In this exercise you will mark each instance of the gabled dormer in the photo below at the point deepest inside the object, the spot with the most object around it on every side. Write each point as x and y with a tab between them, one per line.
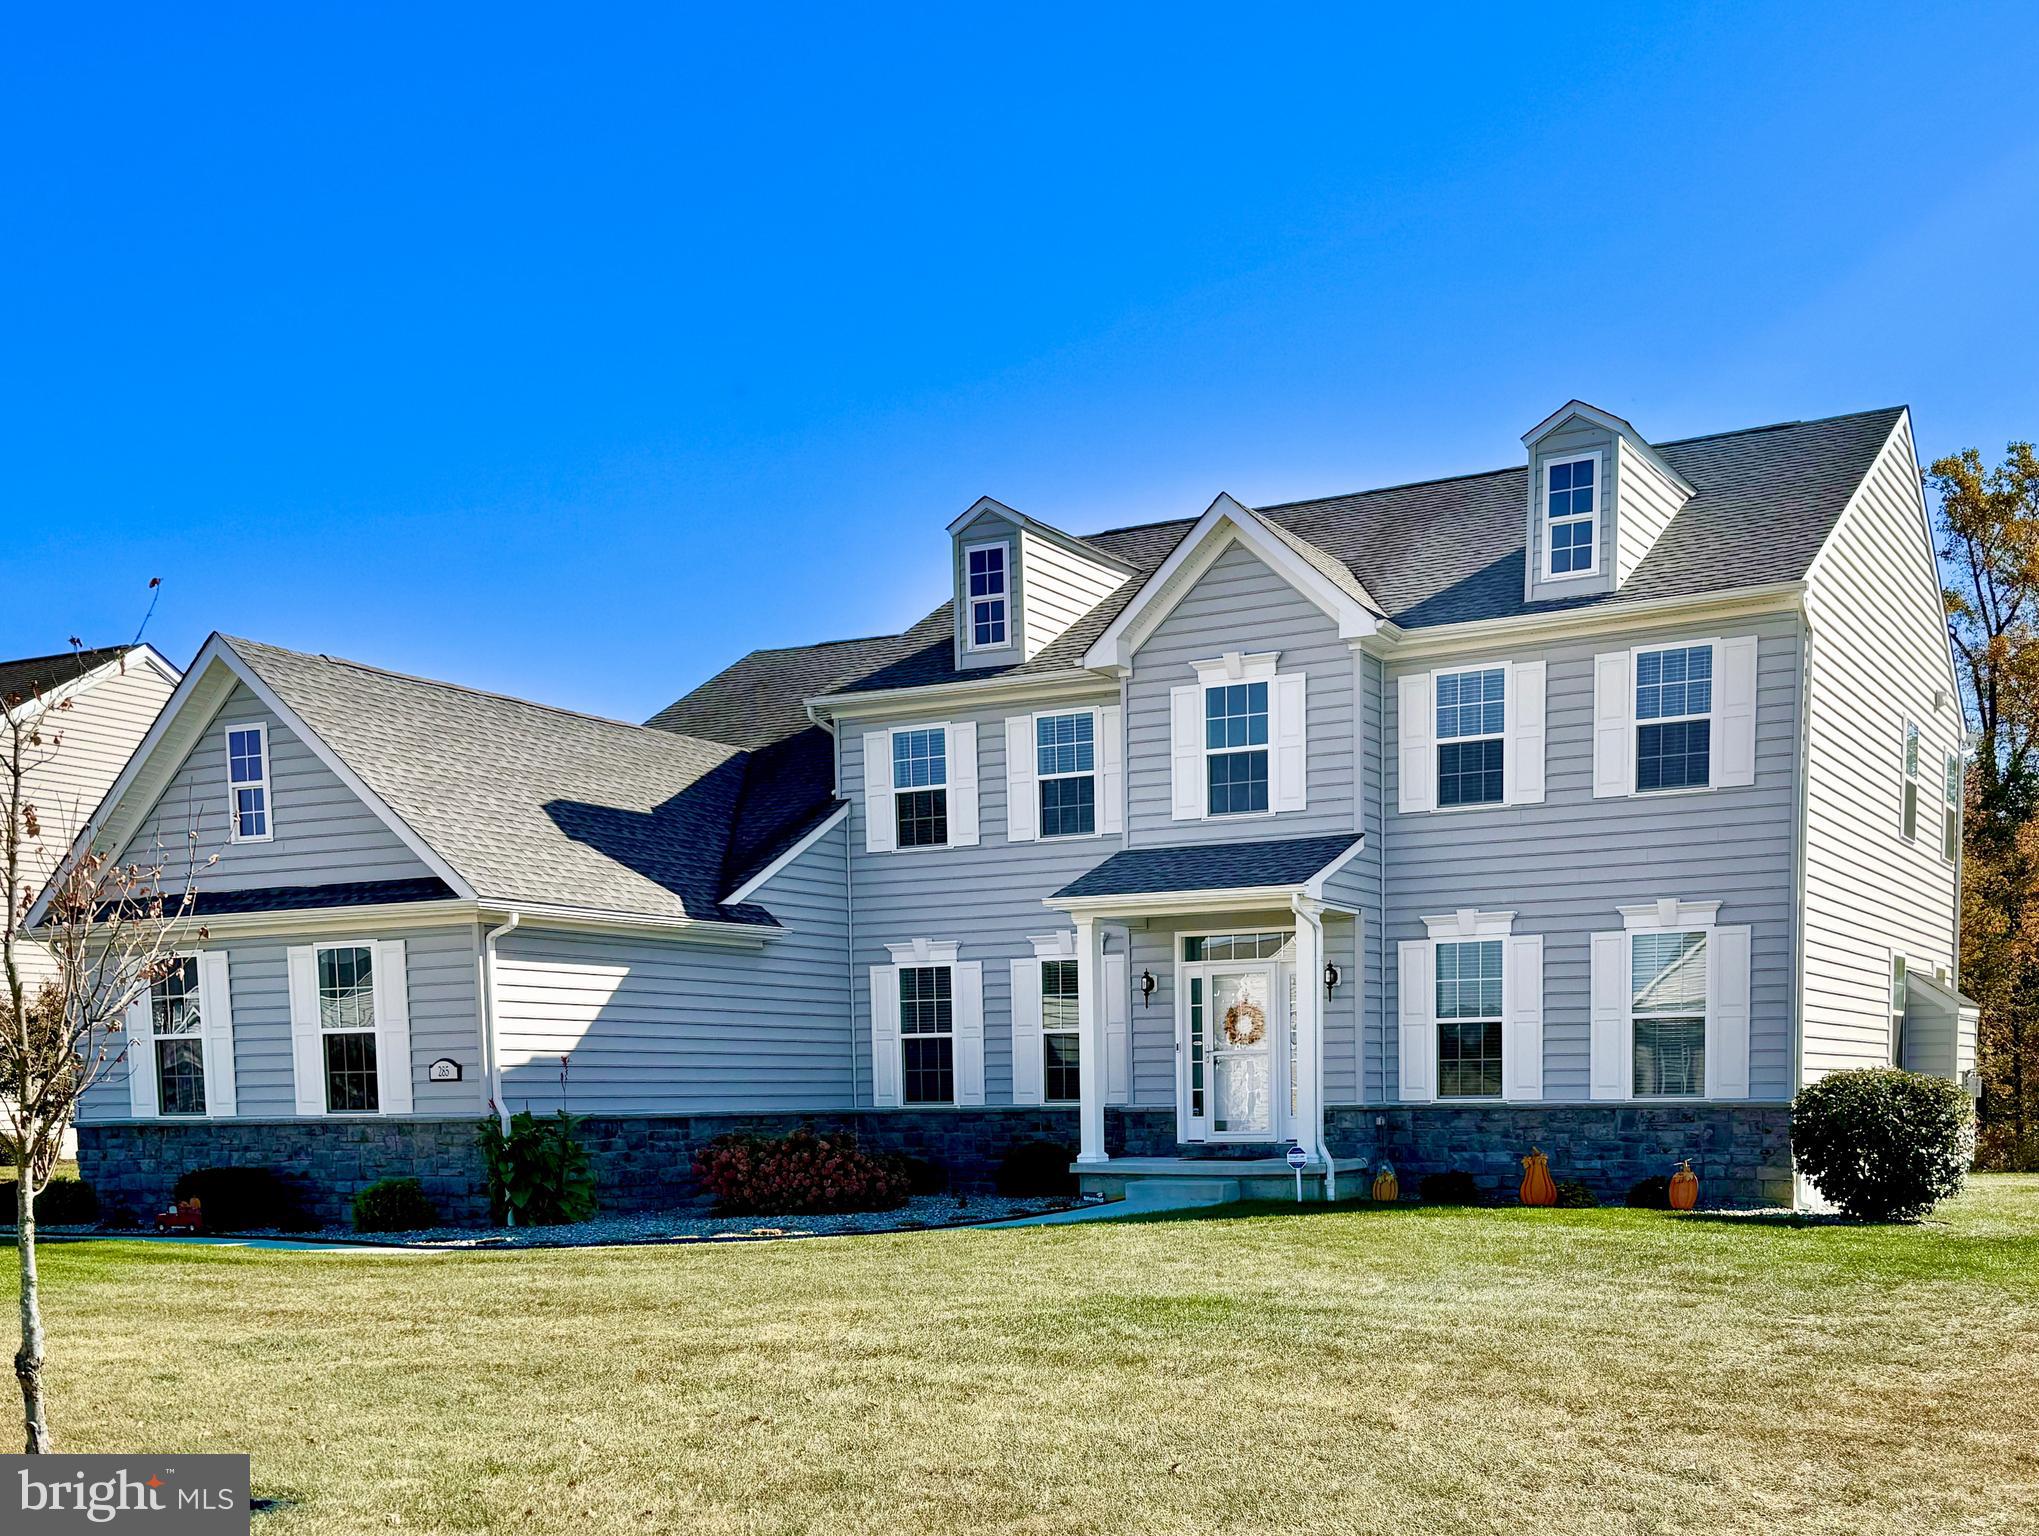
1020	583
1599	497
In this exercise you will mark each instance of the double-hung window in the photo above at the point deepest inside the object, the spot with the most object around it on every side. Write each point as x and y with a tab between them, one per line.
1469	1019
1472	717
920	777
1571	514
346	1001
988	616
927	1034
1667	1004
1235	748
1950	814
248	782
176	1048
1065	752
1897	994
1060	1050
1911	780
1674	718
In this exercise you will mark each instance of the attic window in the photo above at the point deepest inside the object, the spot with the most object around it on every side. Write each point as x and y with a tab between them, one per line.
1571	491
985	565
248	782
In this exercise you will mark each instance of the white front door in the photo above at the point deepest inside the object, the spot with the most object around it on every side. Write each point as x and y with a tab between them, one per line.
1235	1040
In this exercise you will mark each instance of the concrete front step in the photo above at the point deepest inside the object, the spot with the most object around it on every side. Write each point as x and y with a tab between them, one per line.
1202	1181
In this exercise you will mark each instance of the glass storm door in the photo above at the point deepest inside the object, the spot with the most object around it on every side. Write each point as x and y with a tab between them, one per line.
1242	1028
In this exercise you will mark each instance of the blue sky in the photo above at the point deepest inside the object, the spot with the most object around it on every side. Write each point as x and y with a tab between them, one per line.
573	352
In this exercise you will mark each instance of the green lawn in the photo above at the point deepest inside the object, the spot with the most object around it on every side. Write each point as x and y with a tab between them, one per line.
1407	1371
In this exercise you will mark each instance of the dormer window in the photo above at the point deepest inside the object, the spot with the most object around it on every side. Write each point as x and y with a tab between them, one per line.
1571	516
987	566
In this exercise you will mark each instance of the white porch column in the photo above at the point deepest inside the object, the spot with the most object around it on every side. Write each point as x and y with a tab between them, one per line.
1090	1077
1308	1129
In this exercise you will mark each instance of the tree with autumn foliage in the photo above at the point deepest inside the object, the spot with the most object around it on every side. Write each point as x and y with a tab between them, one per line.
1989	557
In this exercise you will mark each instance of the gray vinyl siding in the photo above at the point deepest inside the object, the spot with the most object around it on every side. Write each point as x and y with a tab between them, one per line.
1563	867
1648	499
987	899
323	833
1570	441
1061	588
1240	604
439	965
989	529
1879	655
654	1025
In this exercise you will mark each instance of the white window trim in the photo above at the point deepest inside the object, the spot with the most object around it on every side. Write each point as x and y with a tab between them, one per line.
148	1003
1953	775
261	728
1908	776
966	1020
894	791
1438	740
1004	546
1666	915
1711	717
1224	671
1544	517
1075	1028
375	982
1899	967
1467	926
1096	774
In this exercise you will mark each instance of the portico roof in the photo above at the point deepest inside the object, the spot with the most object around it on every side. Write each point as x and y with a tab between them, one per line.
1280	867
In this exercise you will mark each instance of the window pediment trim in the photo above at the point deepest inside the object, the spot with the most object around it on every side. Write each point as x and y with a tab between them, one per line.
1054	946
1467	923
1669	914
924	952
1236	667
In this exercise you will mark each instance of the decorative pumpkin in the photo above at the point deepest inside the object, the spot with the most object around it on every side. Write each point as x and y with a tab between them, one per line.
1537	1188
1387	1189
1684	1187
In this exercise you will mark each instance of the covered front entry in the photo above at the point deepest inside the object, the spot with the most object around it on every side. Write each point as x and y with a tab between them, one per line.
1236	1037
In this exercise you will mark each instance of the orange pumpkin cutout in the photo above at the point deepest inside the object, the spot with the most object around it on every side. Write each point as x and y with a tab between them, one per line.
1684	1187
1537	1188
1387	1189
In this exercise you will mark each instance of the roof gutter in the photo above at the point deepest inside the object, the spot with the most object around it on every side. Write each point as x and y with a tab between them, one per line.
826	706
1397	641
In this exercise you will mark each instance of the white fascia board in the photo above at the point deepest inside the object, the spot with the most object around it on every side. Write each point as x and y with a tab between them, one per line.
1004	689
1607	421
1313	888
1168	903
765	876
1225	521
440	914
991	505
1394	643
139	655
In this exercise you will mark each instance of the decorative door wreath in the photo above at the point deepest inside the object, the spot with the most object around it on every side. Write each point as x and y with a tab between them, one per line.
1245	1023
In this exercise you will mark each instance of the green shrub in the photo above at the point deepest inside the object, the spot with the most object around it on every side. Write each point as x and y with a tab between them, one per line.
924	1176
1651	1194
1454	1187
1036	1168
1883	1144
394	1205
63	1203
799	1174
539	1172
1574	1196
242	1199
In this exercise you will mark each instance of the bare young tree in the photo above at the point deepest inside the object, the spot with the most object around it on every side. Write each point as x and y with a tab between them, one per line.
104	937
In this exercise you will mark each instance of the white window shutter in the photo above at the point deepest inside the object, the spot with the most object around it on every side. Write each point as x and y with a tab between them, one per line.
881	831
1418	1031
1611	1073
1734	712
1186	752
306	1056
1111	769
1118	1037
963	784
1522	1024
216	1021
392	1028
1026	1032
1416	733
1022	796
1727	1013
1523	749
967	985
1613	726
141	1060
1289	732
885	1036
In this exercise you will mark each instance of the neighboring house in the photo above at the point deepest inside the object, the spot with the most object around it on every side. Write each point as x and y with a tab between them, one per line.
1597	803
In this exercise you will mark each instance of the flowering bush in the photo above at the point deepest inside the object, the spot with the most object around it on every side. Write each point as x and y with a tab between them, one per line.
800	1174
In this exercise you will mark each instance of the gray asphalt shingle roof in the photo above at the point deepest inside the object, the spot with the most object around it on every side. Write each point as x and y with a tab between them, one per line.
26	676
1210	867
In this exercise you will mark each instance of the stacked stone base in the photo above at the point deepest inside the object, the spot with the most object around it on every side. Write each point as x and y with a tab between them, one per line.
1742	1153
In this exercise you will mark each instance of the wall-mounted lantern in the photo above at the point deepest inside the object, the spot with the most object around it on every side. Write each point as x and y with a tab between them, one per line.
1147	986
1332	976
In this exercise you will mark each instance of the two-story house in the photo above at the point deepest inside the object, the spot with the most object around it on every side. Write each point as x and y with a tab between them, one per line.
1596	803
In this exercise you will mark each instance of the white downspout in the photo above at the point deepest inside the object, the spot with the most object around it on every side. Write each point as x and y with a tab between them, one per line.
1307	912
488	1003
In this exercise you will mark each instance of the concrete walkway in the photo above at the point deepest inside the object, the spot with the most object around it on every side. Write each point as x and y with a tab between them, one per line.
1143	1198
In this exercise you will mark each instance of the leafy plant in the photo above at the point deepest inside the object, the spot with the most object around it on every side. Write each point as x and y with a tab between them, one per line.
67	1203
1036	1168
1651	1194
394	1205
242	1199
1454	1187
799	1174
538	1173
924	1176
1574	1196
1883	1144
